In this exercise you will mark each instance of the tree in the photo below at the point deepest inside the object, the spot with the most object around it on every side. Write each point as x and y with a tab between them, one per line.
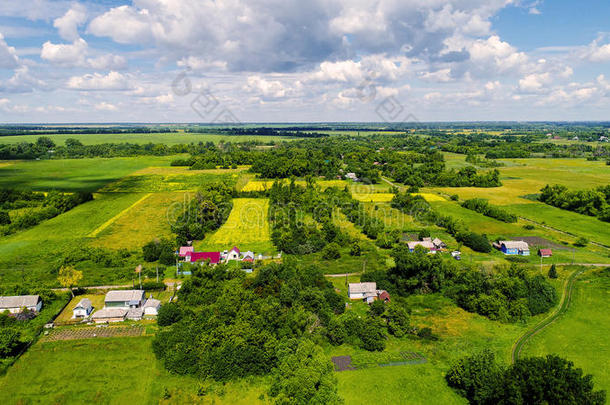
581	242
355	249
69	277
552	272
477	377
331	251
377	307
424	233
9	341
304	375
5	219
45	142
169	314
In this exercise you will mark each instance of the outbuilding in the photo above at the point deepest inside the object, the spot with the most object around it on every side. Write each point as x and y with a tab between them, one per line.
109	315
83	309
545	253
125	299
514	247
151	308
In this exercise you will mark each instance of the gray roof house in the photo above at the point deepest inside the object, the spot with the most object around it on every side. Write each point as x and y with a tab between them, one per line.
15	304
83	309
358	291
152	307
109	315
125	299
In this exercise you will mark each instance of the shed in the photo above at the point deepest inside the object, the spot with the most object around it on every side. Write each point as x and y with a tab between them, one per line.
83	309
545	253
514	247
151	307
109	315
17	303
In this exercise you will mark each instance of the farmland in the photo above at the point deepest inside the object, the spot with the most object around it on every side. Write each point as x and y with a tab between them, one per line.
247	228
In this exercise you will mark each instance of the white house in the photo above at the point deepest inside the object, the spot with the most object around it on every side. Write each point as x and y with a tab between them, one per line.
151	307
82	309
16	304
360	291
124	299
351	176
233	254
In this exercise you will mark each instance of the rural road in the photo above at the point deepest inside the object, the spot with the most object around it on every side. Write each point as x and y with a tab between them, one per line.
343	275
563	306
107	287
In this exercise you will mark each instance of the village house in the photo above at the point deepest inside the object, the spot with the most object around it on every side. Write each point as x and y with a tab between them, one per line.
16	304
247	256
125	299
202	257
514	247
233	254
367	292
83	309
423	243
184	250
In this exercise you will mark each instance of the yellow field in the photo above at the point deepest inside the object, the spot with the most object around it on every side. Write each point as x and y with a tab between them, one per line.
430	197
138	224
262	185
377	197
247	228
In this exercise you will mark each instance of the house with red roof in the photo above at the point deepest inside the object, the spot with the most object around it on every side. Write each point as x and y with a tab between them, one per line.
184	250
233	254
545	253
194	257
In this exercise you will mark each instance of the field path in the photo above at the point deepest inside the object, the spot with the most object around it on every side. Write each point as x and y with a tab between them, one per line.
106	224
563	306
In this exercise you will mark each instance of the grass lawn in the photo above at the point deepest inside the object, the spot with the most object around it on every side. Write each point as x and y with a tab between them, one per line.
108	371
581	334
247	228
171	181
97	300
73	174
261	185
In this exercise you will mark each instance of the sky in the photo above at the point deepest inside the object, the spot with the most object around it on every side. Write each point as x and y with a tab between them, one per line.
232	61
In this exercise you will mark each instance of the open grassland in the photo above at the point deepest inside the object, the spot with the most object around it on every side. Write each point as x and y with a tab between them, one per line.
374	197
181	181
140	223
109	371
247	227
581	333
34	251
169	138
73	174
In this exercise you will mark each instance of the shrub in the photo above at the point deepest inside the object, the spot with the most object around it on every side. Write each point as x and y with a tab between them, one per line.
331	251
9	341
424	233
529	227
355	249
5	219
169	314
581	242
552	272
476	242
455	197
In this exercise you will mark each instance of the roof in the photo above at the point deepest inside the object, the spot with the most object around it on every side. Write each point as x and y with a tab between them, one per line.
84	303
19	301
152	303
426	244
185	249
248	253
384	295
437	242
515	244
360	288
546	252
124	295
109	313
213	257
235	249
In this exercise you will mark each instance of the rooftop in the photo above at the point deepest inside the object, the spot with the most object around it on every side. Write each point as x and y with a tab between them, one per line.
19	301
124	295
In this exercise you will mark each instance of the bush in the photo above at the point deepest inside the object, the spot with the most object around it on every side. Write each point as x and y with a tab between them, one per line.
10	340
529	227
169	314
424	233
355	249
517	259
455	197
552	272
426	334
581	242
150	285
5	219
331	251
476	242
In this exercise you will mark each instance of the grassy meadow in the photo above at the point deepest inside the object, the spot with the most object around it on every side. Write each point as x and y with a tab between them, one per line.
581	333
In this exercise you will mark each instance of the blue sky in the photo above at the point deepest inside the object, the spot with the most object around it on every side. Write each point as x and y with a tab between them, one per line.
289	60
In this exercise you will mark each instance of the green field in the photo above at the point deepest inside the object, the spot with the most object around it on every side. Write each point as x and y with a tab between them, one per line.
165	138
108	371
73	174
581	333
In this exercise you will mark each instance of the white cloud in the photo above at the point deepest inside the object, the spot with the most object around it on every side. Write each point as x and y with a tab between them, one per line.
599	53
65	54
268	89
112	81
126	25
8	55
68	24
535	83
75	55
440	76
22	81
104	106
